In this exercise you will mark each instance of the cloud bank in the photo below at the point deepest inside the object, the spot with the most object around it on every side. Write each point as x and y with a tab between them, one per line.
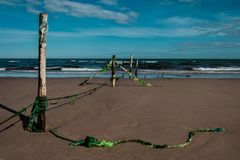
88	10
75	8
172	2
109	2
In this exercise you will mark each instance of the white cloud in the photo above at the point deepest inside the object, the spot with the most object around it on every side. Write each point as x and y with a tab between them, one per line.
109	2
188	1
220	26
75	8
187	27
188	21
187	46
133	32
31	6
9	2
11	36
16	36
229	25
171	2
88	10
33	10
16	32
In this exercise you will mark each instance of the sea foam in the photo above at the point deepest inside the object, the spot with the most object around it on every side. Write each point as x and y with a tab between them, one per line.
80	69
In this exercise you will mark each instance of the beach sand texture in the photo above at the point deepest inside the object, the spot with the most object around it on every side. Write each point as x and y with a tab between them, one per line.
162	115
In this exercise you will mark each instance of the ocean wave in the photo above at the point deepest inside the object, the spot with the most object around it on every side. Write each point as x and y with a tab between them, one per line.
80	69
149	61
98	62
13	61
149	70
2	69
119	62
90	61
217	69
83	61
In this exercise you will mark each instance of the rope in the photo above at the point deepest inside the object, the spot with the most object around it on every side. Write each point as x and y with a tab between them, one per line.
94	142
139	81
75	97
72	99
40	105
102	70
108	67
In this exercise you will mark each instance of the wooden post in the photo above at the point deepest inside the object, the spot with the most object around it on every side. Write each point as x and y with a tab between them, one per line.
113	71
136	68
131	64
42	88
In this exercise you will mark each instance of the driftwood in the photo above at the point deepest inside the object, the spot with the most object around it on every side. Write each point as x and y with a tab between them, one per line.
42	88
131	64
113	71
136	68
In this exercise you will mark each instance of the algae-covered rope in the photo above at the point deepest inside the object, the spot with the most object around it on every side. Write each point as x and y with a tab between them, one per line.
69	96
94	142
77	94
106	68
75	97
139	81
40	105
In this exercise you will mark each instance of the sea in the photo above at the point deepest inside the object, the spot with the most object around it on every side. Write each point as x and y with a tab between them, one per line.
147	68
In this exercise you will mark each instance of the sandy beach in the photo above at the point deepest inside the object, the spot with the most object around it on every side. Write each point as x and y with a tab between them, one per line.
163	114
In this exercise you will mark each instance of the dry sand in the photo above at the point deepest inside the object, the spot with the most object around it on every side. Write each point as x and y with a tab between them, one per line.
161	115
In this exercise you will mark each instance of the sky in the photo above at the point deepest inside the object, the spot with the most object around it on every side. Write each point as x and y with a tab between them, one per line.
205	29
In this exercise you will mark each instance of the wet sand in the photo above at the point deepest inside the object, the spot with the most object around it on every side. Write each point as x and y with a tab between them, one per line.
163	114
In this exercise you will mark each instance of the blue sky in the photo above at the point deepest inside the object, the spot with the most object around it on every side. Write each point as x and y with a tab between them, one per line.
100	28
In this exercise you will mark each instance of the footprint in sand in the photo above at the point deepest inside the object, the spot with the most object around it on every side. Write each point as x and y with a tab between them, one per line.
105	106
108	104
124	126
130	124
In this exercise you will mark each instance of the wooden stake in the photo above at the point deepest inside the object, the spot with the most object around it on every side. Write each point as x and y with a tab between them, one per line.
131	64
136	68
113	71
42	88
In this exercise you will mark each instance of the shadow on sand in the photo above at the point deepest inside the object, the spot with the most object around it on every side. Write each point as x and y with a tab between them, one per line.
24	119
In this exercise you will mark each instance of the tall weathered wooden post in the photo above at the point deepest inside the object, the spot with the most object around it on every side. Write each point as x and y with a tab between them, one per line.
131	64
42	88
113	71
